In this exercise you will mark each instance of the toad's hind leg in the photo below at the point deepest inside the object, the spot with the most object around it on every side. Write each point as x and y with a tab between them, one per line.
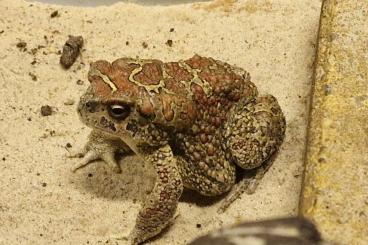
253	133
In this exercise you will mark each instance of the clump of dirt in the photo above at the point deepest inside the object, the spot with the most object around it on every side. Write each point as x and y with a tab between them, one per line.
71	51
46	110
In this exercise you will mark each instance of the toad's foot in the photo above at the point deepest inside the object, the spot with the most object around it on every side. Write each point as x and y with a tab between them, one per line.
91	155
247	184
100	146
130	239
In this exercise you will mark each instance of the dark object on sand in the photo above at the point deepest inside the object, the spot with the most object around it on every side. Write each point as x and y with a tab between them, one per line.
71	51
283	231
46	110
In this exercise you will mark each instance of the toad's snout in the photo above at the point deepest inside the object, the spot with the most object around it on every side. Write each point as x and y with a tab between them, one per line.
89	106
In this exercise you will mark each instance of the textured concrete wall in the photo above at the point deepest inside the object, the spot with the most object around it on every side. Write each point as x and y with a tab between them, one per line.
335	193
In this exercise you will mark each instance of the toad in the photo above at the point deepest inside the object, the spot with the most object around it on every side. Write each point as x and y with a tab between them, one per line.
193	120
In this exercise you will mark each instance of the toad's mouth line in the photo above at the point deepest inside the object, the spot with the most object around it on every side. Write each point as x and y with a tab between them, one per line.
126	138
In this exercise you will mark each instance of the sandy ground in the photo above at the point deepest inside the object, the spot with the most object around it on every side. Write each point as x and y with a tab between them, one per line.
42	202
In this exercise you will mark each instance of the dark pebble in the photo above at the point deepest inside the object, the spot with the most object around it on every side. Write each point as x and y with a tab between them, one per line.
71	51
21	44
54	14
46	110
33	76
169	43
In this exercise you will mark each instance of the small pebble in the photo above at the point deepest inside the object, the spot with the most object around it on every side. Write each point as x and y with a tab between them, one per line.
54	14
34	51
21	44
169	43
68	145
171	29
69	102
46	110
80	82
33	76
71	51
145	45
44	184
328	89
198	225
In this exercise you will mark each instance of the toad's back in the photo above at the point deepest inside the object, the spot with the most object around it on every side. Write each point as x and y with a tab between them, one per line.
174	94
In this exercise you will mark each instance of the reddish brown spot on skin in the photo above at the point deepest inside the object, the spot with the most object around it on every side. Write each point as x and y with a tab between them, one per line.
198	62
197	90
146	108
173	85
125	65
217	90
234	96
217	122
203	138
191	111
151	73
208	130
118	73
210	150
98	85
177	73
197	156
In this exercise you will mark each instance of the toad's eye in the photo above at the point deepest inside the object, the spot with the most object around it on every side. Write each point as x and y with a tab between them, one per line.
118	112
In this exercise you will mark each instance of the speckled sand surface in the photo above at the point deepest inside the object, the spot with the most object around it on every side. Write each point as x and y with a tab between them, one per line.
42	202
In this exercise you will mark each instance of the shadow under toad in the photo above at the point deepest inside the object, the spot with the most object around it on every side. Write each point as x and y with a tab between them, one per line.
134	183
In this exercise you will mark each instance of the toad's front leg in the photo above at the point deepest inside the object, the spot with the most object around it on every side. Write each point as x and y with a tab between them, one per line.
101	146
160	206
